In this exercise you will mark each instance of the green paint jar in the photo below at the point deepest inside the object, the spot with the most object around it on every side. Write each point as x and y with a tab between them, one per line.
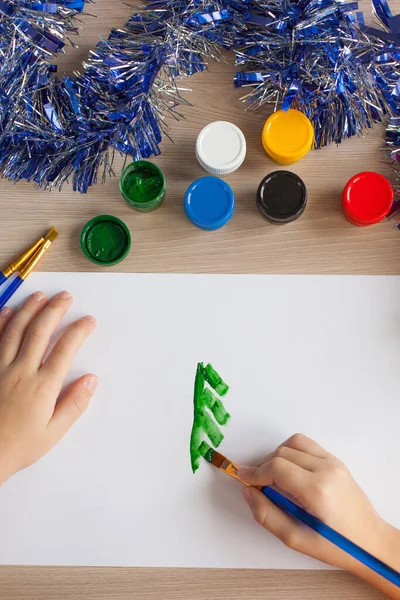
106	240
143	186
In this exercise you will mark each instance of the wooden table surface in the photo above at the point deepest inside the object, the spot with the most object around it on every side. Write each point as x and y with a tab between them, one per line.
322	241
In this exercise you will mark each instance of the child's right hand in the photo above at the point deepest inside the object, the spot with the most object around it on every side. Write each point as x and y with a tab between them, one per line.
321	483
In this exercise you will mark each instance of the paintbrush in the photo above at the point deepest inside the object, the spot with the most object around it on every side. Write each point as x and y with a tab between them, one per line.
19	261
224	464
27	268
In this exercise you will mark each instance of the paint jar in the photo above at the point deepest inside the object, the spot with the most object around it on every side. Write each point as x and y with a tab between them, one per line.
209	203
106	240
221	148
287	136
281	197
143	186
367	198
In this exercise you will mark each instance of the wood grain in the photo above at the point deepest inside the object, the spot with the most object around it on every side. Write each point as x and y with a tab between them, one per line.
45	583
322	241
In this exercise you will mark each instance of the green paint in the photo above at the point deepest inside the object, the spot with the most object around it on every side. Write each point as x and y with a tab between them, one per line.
216	407
142	184
207	407
106	240
215	381
206	451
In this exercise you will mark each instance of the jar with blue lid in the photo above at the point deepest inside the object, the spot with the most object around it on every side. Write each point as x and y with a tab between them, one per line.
209	203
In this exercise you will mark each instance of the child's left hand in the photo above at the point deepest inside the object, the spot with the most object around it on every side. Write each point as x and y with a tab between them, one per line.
33	414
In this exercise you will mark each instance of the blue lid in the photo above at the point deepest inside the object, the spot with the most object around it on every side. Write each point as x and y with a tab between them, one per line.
209	203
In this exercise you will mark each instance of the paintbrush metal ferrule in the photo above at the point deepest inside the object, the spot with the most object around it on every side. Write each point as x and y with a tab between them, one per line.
37	257
14	265
22	259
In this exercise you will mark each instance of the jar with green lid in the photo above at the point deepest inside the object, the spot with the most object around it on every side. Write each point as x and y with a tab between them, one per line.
143	186
106	240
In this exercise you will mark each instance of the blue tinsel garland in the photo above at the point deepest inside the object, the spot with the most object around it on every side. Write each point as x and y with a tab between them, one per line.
312	54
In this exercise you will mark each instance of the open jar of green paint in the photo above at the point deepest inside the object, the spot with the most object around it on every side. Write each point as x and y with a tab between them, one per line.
106	240
143	186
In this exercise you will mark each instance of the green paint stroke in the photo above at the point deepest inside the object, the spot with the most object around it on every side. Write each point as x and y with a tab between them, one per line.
208	412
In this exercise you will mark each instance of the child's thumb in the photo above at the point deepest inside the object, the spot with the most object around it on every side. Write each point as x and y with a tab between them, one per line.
72	404
272	518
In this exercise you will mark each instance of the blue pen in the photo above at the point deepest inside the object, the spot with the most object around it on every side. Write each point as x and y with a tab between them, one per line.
27	269
289	507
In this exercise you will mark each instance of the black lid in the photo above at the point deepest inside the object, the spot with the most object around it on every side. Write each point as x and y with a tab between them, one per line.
282	197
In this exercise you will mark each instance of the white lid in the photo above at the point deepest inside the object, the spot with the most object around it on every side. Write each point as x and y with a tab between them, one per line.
221	148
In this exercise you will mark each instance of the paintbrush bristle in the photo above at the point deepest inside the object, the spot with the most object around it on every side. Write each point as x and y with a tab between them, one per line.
49	233
52	235
223	464
215	458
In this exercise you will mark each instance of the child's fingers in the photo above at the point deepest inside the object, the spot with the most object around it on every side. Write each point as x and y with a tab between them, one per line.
291	532
6	315
301	459
60	359
72	404
272	518
14	334
279	472
265	459
39	334
301	442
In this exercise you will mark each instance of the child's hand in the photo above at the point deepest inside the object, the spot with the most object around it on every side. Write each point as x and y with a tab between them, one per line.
33	414
320	483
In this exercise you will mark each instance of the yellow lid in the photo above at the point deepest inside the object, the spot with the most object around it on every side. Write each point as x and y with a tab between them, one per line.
287	136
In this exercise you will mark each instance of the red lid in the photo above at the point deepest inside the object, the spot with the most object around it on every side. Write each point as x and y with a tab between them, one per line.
367	198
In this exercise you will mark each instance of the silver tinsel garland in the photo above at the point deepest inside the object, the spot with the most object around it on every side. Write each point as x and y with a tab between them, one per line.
315	55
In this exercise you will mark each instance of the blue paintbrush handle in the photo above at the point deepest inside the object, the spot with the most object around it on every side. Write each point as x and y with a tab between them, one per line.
10	291
333	536
3	279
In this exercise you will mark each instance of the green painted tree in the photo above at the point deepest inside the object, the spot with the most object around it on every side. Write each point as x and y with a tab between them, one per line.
209	412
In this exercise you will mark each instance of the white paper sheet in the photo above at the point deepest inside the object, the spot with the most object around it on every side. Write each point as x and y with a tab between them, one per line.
318	355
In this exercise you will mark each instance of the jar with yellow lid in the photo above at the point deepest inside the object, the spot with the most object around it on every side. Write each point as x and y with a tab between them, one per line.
287	136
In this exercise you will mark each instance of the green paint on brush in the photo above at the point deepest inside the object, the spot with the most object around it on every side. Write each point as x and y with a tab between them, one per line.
206	406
